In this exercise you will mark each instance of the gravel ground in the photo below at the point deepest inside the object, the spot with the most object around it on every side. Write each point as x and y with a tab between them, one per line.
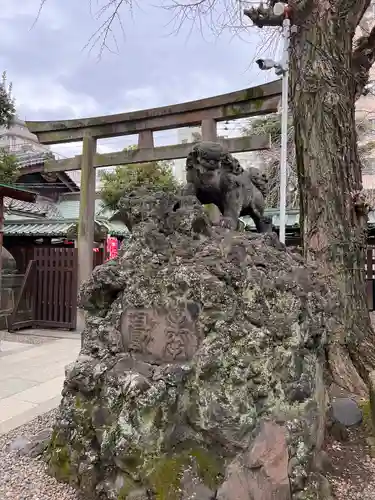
24	338
353	473
23	478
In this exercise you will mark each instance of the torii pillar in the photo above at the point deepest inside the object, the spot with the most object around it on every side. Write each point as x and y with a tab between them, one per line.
86	223
209	133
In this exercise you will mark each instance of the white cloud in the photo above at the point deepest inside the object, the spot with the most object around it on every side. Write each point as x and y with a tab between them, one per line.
203	85
10	10
50	14
71	149
36	97
138	98
45	94
67	150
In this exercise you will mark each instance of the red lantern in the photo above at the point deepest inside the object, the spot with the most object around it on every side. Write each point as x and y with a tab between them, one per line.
112	247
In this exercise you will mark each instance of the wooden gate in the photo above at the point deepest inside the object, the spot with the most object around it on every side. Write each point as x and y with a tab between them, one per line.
55	288
23	287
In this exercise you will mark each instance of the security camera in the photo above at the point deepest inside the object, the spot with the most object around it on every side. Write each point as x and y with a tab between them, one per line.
265	64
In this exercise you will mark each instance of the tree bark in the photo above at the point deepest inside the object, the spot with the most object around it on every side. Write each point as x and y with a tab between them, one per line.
333	222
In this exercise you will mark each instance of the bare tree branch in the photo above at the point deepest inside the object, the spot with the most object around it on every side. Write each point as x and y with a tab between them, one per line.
110	11
215	15
42	3
270	159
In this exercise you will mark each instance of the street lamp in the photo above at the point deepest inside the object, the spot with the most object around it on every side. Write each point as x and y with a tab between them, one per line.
282	68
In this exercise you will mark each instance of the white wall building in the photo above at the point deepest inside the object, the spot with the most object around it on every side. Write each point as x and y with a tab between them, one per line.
184	135
18	140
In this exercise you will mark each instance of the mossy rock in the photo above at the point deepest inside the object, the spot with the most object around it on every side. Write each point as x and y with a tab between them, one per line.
165	473
252	353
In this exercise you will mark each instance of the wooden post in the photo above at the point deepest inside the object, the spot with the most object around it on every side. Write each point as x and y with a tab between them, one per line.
209	133
145	139
209	130
86	216
369	278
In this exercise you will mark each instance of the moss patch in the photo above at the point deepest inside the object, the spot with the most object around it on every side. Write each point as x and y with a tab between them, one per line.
165	477
367	417
208	467
59	460
132	462
166	472
128	487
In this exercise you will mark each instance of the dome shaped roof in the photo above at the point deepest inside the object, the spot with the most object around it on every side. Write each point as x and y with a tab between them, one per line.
18	121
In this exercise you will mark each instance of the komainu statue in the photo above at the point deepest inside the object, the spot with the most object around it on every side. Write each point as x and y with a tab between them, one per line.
214	176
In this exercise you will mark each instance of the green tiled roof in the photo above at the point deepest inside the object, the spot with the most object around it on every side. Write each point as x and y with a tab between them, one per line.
115	228
15	225
69	209
58	223
36	229
292	218
39	208
11	217
55	228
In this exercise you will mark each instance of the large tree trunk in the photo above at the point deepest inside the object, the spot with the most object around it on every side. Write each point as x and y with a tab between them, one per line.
333	222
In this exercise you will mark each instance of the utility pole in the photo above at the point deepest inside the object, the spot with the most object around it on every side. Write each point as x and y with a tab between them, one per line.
284	129
278	15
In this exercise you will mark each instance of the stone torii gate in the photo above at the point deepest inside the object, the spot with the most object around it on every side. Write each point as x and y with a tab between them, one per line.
255	101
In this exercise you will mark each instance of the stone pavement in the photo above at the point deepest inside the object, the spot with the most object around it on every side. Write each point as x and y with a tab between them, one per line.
32	376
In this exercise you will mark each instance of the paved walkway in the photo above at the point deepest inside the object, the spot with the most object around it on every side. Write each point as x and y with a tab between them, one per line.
31	378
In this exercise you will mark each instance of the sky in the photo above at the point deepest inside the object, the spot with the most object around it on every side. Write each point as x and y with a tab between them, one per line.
57	74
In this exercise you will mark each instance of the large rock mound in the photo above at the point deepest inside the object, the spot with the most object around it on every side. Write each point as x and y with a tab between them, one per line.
201	373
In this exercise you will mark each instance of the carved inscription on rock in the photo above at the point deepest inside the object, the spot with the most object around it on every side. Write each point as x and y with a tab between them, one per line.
159	335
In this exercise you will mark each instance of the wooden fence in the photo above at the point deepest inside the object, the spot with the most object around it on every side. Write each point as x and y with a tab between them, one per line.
55	287
370	277
23	255
47	294
48	291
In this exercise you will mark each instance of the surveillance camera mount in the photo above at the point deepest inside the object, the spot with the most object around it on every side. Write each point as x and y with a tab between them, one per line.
267	64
